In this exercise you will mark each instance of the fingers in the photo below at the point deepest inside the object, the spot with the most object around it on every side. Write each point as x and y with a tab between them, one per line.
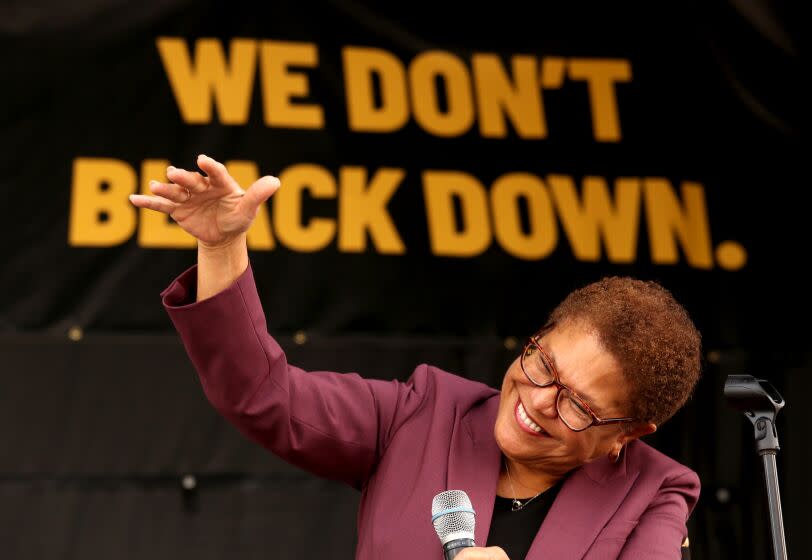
153	203
477	553
192	180
175	193
261	190
216	171
184	184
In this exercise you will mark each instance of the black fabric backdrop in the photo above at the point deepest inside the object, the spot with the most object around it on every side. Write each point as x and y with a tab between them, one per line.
100	413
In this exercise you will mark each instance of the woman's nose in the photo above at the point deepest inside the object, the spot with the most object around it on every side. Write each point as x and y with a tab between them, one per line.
543	400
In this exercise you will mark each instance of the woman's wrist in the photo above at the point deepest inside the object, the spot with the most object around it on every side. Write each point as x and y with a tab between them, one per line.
219	266
216	248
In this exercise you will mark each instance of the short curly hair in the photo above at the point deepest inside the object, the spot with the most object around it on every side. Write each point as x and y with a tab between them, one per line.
650	335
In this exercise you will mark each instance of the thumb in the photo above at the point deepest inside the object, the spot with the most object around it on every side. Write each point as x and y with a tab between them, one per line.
260	191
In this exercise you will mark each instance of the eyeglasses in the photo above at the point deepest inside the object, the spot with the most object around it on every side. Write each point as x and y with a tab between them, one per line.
572	409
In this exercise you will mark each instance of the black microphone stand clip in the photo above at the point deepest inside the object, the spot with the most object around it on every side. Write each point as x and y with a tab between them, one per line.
761	402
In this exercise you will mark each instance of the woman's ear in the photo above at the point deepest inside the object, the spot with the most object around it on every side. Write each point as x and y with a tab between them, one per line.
630	434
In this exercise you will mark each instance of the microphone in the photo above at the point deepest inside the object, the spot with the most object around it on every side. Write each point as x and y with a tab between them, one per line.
453	517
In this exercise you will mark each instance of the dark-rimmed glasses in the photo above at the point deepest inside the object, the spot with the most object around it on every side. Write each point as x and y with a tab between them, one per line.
572	409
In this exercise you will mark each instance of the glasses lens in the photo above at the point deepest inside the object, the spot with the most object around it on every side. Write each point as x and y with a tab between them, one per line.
572	411
535	366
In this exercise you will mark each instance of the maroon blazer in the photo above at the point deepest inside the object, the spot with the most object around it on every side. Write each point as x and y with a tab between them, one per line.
402	443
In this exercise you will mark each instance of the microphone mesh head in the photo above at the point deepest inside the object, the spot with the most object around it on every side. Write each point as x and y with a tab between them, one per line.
452	524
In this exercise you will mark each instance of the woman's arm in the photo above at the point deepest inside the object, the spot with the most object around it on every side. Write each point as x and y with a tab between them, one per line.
334	425
331	424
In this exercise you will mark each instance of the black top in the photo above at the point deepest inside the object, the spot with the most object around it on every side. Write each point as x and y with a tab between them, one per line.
514	531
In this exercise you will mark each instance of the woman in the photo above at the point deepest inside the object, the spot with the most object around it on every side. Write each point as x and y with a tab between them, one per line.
552	462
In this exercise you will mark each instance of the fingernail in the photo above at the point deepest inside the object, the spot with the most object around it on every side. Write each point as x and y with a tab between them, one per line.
153	183
170	168
201	156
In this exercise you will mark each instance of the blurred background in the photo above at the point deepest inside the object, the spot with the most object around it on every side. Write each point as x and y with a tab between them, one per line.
449	174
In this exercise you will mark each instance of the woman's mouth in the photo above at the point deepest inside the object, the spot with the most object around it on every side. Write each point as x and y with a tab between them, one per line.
526	423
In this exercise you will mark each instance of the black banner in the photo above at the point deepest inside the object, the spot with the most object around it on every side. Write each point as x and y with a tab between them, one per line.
437	177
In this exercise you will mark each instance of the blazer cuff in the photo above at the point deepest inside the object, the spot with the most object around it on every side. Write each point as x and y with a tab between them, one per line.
182	292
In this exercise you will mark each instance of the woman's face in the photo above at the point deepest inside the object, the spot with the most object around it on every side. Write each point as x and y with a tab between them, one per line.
588	370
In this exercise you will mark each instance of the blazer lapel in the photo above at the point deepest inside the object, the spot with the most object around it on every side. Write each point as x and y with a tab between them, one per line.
474	464
585	503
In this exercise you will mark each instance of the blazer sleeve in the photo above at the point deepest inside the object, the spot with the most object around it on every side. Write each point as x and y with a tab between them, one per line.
662	527
331	424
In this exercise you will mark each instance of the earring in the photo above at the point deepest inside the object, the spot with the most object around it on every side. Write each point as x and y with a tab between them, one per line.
615	457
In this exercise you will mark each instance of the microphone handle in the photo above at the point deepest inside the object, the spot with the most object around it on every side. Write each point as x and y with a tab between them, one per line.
452	548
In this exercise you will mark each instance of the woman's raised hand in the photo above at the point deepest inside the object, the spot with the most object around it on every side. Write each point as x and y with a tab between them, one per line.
213	209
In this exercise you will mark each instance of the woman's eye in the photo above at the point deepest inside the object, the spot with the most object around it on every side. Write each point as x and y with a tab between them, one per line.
578	408
541	366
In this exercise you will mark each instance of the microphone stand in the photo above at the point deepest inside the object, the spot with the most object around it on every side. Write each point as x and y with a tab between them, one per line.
760	403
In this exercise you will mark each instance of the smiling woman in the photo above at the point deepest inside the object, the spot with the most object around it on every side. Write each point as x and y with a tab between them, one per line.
552	462
536	426
617	357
